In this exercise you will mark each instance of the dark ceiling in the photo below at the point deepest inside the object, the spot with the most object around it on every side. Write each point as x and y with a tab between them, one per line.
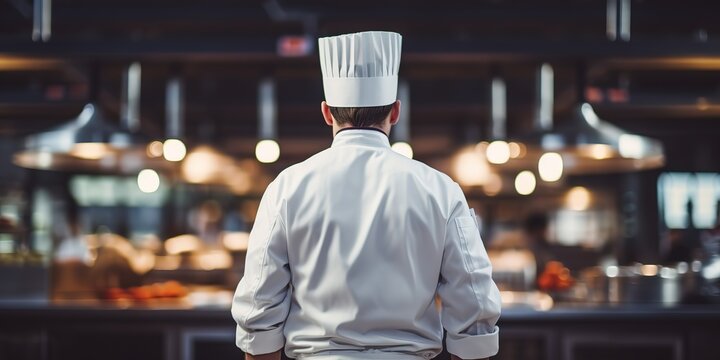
663	82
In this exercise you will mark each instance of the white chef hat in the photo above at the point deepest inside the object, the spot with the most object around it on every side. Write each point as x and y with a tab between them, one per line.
360	69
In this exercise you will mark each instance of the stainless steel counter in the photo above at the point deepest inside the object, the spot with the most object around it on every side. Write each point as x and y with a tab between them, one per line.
178	330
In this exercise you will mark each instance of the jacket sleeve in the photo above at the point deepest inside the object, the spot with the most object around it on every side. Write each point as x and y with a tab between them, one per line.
262	298
470	299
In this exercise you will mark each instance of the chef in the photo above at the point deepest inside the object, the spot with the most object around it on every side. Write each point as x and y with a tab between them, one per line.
351	247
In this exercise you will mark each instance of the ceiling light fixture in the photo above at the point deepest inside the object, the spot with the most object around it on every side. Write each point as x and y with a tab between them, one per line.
267	149
148	181
173	147
550	167
498	151
525	182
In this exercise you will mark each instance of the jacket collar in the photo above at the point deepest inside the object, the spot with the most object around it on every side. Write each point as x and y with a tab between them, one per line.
361	136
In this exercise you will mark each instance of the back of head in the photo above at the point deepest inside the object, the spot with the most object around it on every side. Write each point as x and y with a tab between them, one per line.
360	116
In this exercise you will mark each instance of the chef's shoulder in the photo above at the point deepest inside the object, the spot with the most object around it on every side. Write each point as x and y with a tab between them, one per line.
289	177
424	172
438	184
309	165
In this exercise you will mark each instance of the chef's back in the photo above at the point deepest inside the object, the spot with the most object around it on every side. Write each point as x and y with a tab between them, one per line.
354	243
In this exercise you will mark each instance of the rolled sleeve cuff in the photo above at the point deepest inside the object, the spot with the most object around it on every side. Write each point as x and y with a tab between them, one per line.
260	342
474	346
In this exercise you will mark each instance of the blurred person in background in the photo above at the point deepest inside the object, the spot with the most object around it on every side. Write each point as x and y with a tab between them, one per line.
206	221
678	250
535	230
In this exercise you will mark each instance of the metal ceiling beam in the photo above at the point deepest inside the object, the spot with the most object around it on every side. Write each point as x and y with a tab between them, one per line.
273	10
125	14
167	49
17	64
433	50
414	50
664	63
278	13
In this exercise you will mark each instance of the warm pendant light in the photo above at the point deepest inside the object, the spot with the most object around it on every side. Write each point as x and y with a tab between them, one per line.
525	182
498	151
267	150
550	166
174	148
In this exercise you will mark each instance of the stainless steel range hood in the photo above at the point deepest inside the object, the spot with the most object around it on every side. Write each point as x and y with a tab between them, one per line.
587	143
89	143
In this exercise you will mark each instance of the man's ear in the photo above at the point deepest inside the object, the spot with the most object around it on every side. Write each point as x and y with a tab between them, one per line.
327	115
395	112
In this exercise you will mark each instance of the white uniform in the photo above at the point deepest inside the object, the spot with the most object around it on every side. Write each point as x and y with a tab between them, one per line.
348	252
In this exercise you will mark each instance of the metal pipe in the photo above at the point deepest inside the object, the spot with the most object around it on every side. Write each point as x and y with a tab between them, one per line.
617	24
130	108
624	25
279	14
175	108
545	97
498	108
267	109
401	131
611	22
42	13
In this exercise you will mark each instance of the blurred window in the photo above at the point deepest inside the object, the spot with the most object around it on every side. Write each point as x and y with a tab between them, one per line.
115	191
686	197
588	228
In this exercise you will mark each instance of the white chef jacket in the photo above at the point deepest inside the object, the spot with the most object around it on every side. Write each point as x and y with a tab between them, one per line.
346	256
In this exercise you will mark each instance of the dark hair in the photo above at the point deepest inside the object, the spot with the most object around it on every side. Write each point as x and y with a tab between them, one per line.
361	116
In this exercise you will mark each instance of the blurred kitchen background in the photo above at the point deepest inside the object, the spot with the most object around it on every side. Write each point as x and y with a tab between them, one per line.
137	137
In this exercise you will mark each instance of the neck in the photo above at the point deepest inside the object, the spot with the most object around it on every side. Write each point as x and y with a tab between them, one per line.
338	128
370	129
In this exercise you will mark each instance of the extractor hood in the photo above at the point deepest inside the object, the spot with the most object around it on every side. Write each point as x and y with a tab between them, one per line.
589	144
87	143
586	143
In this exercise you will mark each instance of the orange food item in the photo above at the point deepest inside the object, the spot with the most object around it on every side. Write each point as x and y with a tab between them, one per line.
555	277
116	294
174	289
157	290
168	289
545	282
141	292
554	267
